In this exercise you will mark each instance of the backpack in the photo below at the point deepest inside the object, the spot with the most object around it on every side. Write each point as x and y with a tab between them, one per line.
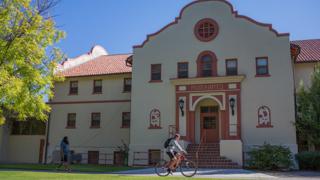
166	144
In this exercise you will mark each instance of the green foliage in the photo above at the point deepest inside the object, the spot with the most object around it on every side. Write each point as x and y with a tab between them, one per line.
270	157
309	160
27	32
308	107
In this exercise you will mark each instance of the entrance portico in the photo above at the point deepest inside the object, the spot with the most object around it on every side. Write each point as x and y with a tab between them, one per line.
208	110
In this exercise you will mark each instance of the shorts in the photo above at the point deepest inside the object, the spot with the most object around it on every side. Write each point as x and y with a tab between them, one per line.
172	154
64	158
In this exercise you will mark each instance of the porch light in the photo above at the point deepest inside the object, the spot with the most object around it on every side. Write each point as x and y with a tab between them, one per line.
181	106
232	103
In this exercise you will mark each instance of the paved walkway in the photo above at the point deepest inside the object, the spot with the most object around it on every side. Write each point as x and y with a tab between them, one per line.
232	174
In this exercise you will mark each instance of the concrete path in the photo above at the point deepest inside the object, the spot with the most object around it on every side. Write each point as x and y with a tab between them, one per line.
232	174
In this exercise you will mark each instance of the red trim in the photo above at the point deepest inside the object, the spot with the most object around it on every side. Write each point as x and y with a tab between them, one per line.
88	102
235	13
155	81
262	75
213	66
264	126
200	23
41	150
232	59
68	119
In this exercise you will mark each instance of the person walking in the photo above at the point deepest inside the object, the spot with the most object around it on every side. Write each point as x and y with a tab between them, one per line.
64	152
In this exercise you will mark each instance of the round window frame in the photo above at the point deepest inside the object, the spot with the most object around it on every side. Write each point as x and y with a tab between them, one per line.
202	21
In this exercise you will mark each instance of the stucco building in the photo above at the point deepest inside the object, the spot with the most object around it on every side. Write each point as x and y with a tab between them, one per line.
220	79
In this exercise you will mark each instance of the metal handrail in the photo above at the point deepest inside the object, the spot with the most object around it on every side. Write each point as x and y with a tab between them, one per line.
201	140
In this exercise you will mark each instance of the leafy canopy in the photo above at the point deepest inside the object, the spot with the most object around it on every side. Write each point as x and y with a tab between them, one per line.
27	32
308	106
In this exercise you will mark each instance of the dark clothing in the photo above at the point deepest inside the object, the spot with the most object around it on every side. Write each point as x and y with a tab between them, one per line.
172	154
64	158
64	147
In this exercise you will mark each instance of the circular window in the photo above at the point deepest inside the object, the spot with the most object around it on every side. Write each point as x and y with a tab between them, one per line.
206	29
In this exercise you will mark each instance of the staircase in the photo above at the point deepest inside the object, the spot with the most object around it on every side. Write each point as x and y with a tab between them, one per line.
209	156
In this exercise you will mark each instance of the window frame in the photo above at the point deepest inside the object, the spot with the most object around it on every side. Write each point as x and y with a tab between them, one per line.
70	88
267	74
152	73
125	86
228	60
72	126
123	125
214	62
94	91
91	122
200	23
179	70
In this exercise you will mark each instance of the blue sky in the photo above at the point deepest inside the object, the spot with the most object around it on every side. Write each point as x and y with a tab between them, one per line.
117	25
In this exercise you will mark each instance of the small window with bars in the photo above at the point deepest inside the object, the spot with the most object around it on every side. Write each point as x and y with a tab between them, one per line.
97	86
183	70
71	121
73	87
231	67
155	72
95	120
262	68
127	85
125	120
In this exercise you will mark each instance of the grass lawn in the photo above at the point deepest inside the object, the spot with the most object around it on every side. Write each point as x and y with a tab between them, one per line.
27	175
77	167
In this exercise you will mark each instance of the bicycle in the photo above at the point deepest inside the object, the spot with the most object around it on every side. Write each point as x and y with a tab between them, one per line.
187	168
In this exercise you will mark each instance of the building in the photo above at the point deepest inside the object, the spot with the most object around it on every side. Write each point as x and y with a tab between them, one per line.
218	78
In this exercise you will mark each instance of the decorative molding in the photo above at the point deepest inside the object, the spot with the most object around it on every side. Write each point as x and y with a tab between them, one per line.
89	102
235	13
155	119
208	80
221	102
264	117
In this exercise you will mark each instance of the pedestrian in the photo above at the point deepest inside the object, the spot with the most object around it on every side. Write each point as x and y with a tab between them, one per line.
64	152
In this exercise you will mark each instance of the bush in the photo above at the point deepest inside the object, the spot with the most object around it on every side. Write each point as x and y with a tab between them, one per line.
309	160
270	157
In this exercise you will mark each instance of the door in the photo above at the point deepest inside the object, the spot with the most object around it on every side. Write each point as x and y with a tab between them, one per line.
118	158
93	157
209	124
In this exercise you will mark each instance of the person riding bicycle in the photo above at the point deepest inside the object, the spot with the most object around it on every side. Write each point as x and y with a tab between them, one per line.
173	150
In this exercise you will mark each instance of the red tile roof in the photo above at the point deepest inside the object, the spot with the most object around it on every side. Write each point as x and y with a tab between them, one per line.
102	65
310	50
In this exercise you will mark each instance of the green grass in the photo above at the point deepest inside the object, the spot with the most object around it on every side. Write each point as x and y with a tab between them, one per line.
77	168
25	175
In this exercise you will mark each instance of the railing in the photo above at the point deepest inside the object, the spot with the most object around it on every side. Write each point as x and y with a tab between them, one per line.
82	158
203	138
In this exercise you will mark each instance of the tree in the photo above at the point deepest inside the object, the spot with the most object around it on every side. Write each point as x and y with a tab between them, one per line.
27	32
308	111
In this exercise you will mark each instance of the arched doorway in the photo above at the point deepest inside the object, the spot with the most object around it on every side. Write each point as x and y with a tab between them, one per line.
207	121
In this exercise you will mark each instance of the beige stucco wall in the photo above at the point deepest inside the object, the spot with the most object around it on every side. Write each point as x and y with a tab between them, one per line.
83	138
237	38
23	148
303	73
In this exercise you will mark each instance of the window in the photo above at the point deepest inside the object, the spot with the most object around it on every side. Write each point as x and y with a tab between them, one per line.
95	120
207	64
154	156
183	70
71	121
28	127
125	120
231	67
73	87
127	85
209	109
209	122
155	72
206	29
262	66
97	86
93	157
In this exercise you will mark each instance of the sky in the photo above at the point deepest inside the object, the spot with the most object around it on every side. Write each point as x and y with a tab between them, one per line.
117	25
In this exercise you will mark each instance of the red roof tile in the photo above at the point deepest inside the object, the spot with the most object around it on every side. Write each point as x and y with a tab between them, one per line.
310	50
102	65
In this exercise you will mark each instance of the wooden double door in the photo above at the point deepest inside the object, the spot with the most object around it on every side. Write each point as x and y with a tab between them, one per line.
209	124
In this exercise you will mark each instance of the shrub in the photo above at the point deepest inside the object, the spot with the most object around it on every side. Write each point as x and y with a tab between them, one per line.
309	160
270	157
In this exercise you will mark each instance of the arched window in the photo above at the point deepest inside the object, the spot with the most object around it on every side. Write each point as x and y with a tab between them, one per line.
207	64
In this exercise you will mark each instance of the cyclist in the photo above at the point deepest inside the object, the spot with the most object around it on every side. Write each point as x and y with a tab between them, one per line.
173	151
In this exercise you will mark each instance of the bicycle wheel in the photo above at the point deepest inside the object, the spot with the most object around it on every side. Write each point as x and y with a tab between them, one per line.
188	168
161	168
